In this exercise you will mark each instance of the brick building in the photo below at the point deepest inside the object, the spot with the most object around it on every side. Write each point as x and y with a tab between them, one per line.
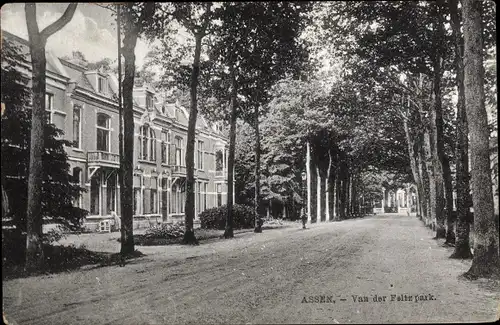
83	103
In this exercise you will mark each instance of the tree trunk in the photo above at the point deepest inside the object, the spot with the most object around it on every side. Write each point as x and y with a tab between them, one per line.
486	261
431	176
258	222
344	194
423	200
318	194
439	156
327	186
228	233
120	111
37	42
334	195
34	250
413	162
354	194
308	175
127	213
448	190
189	237
422	167
338	172
462	244
349	197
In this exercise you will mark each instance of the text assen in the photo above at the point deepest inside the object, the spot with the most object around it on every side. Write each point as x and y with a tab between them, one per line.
318	299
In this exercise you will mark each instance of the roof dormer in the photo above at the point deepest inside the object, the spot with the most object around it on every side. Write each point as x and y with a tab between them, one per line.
99	81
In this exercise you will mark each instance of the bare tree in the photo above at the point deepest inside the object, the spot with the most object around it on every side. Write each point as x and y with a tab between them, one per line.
37	42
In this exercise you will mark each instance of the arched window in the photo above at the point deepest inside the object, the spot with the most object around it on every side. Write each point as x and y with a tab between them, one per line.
179	145
77	126
219	157
148	143
152	145
165	147
144	142
103	132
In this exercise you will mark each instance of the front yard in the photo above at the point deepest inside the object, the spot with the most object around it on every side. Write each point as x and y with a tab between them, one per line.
90	250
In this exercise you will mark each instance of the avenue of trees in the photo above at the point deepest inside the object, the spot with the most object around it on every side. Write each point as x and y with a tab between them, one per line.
356	95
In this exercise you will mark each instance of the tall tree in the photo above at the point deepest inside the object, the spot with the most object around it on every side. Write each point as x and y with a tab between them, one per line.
438	153
462	245
385	36
486	261
37	42
197	19
247	29
282	54
135	18
228	232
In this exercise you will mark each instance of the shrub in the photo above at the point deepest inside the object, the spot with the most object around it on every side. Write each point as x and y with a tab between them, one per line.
52	235
215	218
166	231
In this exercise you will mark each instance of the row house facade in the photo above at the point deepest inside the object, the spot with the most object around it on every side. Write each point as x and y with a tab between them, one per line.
83	103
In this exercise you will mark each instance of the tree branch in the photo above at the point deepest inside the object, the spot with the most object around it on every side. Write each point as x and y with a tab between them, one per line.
147	12
185	21
30	12
206	21
60	23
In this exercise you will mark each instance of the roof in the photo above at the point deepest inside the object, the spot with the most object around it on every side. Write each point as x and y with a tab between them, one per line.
70	69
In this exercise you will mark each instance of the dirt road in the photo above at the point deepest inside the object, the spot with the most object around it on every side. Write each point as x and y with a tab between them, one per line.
278	276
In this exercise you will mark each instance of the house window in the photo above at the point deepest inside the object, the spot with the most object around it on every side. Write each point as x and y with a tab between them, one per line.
153	204
219	161
144	142
148	143
200	155
205	187
149	101
178	195
152	145
77	111
164	198
103	132
137	200
101	85
178	151
225	159
49	106
177	198
165	152
219	194
200	202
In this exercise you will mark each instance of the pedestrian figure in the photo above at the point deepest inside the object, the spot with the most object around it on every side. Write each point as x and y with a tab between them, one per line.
304	219
116	221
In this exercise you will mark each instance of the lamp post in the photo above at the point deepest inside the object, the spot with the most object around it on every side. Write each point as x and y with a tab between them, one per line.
303	213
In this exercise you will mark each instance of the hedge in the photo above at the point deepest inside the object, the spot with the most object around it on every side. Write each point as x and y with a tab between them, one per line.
215	218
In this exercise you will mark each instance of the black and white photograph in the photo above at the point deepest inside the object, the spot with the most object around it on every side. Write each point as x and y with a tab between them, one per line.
259	162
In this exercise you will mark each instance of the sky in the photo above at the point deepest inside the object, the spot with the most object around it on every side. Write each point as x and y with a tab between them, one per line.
92	30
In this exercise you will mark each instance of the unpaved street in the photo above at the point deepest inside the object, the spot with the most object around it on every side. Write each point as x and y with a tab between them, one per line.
267	278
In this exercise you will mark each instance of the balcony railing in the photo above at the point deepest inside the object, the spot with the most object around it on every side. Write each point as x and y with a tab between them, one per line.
178	170
103	158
